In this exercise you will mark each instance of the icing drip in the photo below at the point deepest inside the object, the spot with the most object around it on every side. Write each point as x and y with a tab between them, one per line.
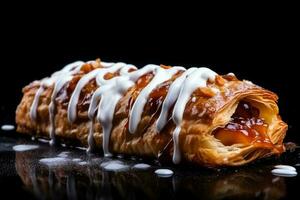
52	107
91	141
171	98
99	75
35	103
161	75
108	102
59	79
109	97
72	107
196	79
106	97
109	94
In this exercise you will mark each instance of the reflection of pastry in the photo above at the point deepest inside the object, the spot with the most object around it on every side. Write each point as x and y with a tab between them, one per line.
207	119
91	182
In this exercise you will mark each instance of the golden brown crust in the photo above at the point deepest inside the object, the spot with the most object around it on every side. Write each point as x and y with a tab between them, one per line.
205	111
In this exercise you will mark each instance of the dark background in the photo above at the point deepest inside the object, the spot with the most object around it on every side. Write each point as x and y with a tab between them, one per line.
257	42
260	45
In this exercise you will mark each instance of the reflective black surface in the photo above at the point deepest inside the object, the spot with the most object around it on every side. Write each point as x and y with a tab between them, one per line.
22	174
258	45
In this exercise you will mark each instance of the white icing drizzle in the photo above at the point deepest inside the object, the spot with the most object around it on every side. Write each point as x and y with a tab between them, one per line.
99	74
48	82
65	76
35	103
108	102
171	98
106	97
161	75
109	97
91	141
196	79
52	107
72	107
111	92
59	79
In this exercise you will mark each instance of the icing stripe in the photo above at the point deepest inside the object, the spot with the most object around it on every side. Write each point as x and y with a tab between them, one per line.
171	98
33	108
160	75
99	74
72	107
196	79
106	97
58	78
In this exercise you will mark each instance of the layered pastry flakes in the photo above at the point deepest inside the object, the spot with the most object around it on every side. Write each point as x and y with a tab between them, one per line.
186	115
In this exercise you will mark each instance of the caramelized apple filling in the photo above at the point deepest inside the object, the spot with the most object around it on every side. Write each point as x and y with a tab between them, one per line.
245	127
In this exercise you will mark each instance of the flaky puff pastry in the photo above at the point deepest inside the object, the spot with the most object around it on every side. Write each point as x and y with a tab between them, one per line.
208	108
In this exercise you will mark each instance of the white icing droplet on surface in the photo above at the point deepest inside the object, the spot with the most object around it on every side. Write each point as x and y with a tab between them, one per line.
141	166
164	172
287	167
82	163
7	127
43	140
56	161
133	158
25	147
76	160
284	172
120	156
114	165
81	148
64	154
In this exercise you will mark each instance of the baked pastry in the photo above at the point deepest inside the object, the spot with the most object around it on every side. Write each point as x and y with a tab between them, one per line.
192	115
